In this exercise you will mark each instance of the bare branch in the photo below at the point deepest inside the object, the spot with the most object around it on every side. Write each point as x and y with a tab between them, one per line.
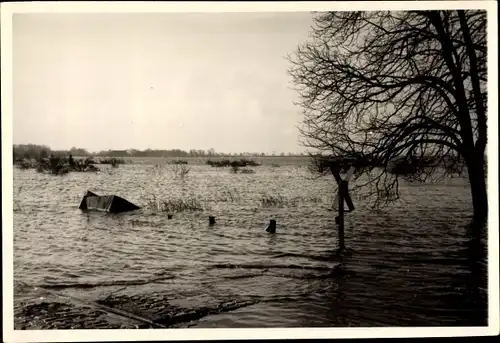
382	86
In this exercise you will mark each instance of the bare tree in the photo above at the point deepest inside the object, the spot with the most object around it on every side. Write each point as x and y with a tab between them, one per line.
379	86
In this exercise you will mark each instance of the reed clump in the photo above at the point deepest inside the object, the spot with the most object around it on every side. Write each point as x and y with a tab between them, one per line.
247	171
226	196
179	170
181	205
235	169
272	201
189	204
280	201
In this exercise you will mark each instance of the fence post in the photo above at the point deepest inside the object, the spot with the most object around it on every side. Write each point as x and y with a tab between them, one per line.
211	220
272	226
342	188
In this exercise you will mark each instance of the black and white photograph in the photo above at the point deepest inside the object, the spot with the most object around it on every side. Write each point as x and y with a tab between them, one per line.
311	169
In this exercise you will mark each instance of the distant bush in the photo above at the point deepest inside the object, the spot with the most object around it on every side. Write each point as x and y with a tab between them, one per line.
223	163
179	162
54	165
84	165
402	168
113	161
228	163
412	165
24	164
57	165
89	160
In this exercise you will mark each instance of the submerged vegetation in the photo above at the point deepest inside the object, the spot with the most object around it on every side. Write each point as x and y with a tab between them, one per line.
113	161
279	201
192	203
272	201
179	170
237	163
56	165
180	205
236	170
247	171
44	160
189	204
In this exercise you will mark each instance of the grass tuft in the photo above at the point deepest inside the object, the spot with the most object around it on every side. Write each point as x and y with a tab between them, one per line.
178	205
180	170
247	171
272	201
280	201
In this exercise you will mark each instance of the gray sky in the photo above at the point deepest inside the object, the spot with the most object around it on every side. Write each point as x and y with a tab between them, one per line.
159	81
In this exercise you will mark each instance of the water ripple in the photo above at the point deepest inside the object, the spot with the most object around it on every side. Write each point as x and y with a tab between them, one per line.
410	263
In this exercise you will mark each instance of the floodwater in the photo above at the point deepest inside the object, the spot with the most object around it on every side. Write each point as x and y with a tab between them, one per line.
410	265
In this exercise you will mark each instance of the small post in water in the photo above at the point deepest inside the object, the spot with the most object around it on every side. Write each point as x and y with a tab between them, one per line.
211	220
342	188
169	216
272	226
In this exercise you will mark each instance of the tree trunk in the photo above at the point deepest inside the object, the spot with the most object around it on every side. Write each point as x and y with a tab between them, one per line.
477	179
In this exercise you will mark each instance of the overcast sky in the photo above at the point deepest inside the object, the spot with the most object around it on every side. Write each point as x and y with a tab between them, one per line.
159	81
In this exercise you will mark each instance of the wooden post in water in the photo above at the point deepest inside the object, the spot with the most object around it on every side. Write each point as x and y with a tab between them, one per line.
272	226
211	220
342	196
342	189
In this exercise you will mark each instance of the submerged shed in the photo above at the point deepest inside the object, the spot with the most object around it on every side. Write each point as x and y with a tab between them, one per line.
106	203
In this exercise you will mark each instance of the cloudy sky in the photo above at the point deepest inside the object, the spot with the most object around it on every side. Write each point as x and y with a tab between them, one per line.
159	81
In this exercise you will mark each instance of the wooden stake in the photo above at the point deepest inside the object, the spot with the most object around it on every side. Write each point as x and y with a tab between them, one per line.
272	226
347	197
211	220
342	187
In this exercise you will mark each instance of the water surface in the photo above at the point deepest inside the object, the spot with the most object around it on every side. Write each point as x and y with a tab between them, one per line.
411	264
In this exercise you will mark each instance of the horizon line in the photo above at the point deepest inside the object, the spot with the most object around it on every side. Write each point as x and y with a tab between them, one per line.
157	149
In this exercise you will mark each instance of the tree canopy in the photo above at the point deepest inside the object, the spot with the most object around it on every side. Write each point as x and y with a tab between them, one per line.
383	85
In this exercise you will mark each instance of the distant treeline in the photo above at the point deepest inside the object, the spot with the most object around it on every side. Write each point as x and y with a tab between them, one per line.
42	151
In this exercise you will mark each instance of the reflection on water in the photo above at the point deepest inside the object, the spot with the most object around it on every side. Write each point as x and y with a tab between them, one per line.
412	264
